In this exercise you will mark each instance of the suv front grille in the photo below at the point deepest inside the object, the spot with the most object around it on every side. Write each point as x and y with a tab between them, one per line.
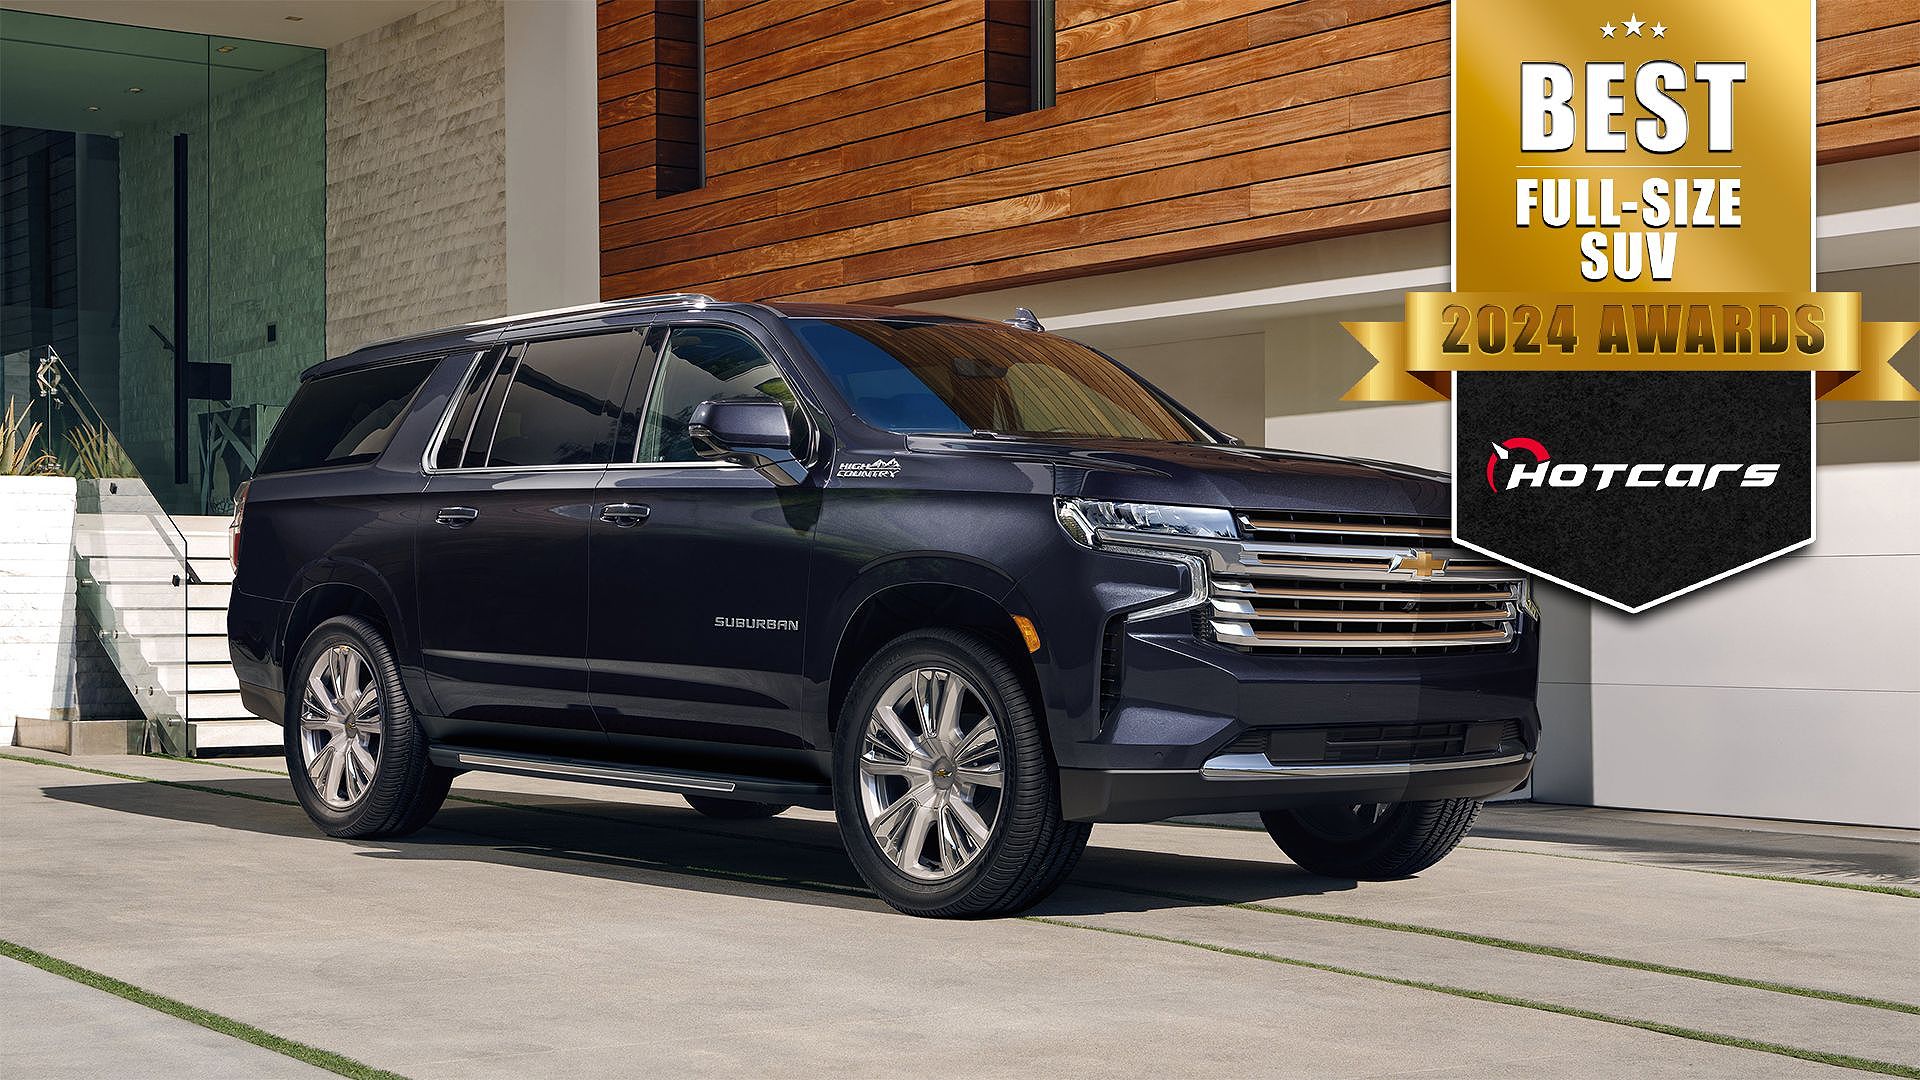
1360	584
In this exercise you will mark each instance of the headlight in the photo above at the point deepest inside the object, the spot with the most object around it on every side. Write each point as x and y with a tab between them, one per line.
1083	518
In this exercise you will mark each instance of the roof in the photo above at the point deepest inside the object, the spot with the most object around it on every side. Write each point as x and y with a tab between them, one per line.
479	334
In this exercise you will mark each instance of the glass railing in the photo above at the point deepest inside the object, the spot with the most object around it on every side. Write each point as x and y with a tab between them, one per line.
134	577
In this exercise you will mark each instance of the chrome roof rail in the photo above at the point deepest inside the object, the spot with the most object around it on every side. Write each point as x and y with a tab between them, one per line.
691	299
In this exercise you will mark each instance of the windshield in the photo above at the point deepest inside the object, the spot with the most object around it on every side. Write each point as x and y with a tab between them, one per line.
956	377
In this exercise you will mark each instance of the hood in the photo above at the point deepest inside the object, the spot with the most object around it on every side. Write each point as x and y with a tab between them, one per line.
1226	476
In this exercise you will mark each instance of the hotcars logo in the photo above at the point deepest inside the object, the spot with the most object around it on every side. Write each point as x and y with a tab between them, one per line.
1543	471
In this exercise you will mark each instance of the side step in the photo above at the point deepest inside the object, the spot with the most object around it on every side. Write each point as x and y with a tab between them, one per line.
679	781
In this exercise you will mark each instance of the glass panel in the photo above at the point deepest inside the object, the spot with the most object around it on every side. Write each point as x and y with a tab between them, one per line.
962	376
564	401
344	419
703	363
165	208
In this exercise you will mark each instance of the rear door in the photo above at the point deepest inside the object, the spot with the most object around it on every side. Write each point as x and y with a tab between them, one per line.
502	557
700	571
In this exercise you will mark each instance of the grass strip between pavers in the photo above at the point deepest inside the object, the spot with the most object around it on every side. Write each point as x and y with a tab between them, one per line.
180	1010
1552	951
1844	1061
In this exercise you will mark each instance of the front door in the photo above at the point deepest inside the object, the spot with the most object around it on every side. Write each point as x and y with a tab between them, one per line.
700	574
502	558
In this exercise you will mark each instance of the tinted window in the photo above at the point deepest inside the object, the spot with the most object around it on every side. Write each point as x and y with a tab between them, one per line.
460	425
343	419
702	363
956	377
564	401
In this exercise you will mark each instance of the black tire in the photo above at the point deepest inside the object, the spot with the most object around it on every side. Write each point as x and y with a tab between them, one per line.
735	809
406	789
1351	842
1030	848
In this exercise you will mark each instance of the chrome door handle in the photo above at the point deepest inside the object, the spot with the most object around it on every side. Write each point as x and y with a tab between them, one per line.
455	517
625	515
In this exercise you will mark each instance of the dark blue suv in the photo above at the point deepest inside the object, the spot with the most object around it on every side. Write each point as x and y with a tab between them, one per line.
970	585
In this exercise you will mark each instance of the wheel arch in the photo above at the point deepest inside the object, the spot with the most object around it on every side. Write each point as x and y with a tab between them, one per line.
920	594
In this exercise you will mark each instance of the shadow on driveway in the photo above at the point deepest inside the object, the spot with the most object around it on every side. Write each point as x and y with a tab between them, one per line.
801	858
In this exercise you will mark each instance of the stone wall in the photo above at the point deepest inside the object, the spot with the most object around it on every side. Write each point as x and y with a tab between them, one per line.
416	175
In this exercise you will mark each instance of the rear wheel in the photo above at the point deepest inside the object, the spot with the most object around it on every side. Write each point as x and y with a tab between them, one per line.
356	756
1371	841
734	809
947	799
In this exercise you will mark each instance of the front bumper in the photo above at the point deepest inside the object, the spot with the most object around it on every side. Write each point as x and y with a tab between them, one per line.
1232	784
1177	714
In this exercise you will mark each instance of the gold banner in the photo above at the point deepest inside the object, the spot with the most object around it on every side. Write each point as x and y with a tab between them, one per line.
1635	331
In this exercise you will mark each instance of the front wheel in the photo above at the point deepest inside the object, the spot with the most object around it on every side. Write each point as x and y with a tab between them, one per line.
1371	841
946	796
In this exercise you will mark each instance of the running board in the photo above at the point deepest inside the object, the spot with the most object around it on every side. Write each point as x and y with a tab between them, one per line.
678	781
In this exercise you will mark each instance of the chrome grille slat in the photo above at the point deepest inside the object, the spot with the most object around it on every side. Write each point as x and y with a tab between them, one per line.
1308	582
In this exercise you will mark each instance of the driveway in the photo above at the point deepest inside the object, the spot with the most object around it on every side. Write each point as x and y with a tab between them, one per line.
543	929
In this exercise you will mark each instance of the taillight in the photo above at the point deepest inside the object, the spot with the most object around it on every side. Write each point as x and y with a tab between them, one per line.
233	527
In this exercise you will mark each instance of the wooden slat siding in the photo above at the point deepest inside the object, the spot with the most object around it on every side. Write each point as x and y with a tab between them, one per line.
727	21
1240	148
957	147
1868	69
1202	129
836	34
1864	53
1141	24
752	113
1007	66
1068	14
1067	217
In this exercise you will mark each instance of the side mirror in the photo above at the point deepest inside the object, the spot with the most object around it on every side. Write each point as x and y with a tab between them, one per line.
750	431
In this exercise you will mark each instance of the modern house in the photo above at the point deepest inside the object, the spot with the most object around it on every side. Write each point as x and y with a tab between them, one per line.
1204	188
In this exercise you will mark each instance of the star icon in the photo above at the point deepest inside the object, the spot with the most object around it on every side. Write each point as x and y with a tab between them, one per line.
1607	30
1658	30
1633	25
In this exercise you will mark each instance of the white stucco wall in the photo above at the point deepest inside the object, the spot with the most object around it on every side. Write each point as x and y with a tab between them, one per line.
36	599
553	155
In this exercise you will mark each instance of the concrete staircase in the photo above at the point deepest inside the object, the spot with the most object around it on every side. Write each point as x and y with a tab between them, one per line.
162	616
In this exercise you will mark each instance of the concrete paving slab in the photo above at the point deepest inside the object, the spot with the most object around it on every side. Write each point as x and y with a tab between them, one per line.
612	932
52	1028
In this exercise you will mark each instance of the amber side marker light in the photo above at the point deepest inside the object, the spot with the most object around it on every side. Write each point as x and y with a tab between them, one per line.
1027	632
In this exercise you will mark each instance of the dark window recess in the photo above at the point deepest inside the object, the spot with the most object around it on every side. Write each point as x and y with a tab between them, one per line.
343	419
679	75
564	402
1020	56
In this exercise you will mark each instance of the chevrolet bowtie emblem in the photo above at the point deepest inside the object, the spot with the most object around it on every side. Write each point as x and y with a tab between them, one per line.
1419	564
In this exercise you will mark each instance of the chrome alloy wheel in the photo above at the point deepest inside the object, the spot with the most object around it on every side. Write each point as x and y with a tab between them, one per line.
341	722
930	774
